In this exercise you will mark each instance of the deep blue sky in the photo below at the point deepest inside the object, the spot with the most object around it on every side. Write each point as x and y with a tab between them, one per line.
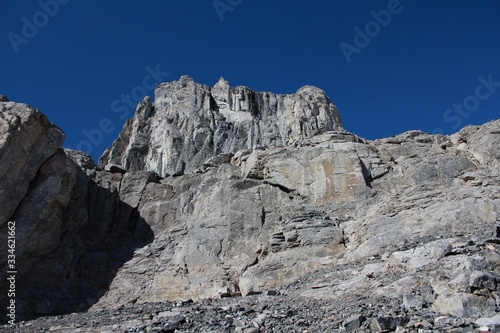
425	60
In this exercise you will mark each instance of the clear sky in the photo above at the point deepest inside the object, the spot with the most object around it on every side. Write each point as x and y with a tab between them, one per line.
390	66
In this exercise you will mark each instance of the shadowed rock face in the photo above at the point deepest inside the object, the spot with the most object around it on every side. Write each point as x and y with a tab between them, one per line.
270	193
190	122
72	229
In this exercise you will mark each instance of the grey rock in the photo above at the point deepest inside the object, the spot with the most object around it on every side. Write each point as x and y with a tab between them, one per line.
68	241
353	323
413	302
43	218
489	322
443	322
210	193
400	329
251	330
465	305
37	216
382	324
82	160
484	280
481	142
27	140
189	123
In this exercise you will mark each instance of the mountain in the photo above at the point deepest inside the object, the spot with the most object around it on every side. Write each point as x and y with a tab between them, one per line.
190	122
222	196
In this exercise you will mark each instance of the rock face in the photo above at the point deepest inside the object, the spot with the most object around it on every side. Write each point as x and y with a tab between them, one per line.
71	226
190	122
27	140
271	196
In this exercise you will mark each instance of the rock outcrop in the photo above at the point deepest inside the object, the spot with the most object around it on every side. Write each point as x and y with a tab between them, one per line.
190	122
225	192
27	140
71	227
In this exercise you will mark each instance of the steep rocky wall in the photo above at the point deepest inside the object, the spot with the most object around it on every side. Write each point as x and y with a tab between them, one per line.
302	206
27	140
269	217
189	122
72	230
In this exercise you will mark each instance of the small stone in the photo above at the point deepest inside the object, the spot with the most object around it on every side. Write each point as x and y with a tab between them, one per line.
381	324
251	330
167	314
413	302
260	318
443	321
426	324
483	280
493	321
353	323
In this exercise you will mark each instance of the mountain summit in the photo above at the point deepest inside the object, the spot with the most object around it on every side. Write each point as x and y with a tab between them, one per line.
190	122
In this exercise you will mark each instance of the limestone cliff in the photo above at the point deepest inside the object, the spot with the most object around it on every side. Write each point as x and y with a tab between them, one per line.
219	192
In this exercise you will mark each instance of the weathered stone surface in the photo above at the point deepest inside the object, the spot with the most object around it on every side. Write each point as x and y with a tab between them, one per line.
39	216
27	140
326	175
63	230
219	192
481	142
189	122
464	305
83	161
489	322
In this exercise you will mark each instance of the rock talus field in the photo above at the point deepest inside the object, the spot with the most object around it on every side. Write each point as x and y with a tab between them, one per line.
221	209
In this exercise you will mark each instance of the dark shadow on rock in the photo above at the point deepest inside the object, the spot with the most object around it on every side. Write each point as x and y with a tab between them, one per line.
91	251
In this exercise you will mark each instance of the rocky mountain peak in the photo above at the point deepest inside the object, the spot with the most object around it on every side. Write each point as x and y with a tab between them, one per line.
188	123
311	90
222	84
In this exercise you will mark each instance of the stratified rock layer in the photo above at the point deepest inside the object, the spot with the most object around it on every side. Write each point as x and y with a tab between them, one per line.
302	208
